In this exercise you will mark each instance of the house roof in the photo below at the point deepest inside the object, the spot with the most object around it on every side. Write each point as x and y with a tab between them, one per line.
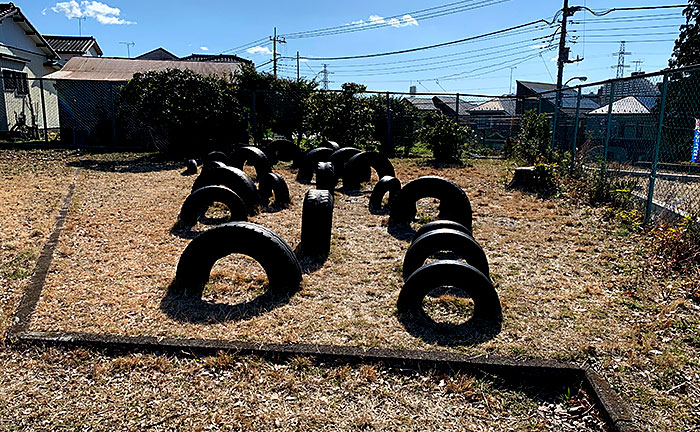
159	53
499	105
628	105
10	10
538	87
217	58
451	103
121	69
423	104
73	44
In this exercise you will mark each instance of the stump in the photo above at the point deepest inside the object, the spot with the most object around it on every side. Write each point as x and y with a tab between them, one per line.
523	178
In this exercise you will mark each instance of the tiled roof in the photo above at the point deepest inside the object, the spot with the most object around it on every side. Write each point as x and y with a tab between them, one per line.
73	44
7	9
538	87
217	58
451	103
628	105
501	105
158	54
120	69
423	104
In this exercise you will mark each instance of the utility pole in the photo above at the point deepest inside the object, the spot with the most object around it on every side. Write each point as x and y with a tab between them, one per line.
128	44
275	40
297	65
563	58
325	73
621	60
510	82
637	65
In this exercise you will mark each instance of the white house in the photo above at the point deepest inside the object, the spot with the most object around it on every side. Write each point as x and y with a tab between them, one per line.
24	54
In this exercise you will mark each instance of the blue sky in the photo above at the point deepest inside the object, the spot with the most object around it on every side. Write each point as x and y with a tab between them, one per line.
481	67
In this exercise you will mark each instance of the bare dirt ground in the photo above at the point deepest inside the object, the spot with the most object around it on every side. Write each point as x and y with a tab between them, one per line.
571	287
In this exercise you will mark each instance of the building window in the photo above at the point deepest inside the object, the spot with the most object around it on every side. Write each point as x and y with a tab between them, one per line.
15	82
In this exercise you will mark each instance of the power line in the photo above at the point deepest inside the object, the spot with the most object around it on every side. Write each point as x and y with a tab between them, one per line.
247	45
531	23
423	14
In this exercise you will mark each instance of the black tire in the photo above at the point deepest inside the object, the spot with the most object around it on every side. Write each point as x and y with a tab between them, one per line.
283	150
190	167
217	156
439	224
329	144
325	176
341	157
273	184
386	184
357	165
454	204
261	244
310	161
234	179
316	223
197	203
487	306
250	155
209	165
448	240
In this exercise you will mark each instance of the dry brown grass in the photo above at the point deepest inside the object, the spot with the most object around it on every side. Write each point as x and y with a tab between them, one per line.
571	288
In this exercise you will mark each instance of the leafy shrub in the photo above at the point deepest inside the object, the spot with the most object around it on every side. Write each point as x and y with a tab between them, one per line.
184	113
344	117
546	178
404	122
533	141
678	247
446	138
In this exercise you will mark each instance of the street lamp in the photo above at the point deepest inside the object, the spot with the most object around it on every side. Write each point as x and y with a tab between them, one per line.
580	78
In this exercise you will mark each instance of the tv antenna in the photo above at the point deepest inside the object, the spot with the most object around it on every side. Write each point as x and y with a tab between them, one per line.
128	45
80	25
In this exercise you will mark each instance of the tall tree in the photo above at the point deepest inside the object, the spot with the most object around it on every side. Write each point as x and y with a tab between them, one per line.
686	50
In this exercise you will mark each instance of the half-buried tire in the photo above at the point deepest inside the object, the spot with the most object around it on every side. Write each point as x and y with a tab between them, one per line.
325	176
273	184
444	240
310	161
329	144
234	179
448	273
267	248
386	184
439	224
357	165
197	203
454	204
340	157
316	223
217	156
250	155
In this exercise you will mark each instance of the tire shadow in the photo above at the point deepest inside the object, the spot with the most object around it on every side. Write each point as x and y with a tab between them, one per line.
197	311
472	332
402	232
309	263
188	233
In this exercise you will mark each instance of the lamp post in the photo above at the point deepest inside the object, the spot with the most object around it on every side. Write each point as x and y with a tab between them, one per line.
580	78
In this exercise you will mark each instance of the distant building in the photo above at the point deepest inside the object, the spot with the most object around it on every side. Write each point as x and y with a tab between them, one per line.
68	47
494	121
158	54
163	54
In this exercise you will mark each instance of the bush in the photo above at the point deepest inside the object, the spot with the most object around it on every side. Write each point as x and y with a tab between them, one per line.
534	140
344	117
404	123
678	247
446	138
184	113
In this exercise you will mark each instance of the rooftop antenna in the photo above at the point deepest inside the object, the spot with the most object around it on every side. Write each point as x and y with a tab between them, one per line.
128	45
637	65
510	82
80	25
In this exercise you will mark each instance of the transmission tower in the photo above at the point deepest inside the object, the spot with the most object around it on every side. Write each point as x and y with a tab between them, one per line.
325	80
621	66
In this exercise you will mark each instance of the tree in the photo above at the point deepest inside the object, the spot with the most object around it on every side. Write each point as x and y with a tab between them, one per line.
184	113
344	116
682	102
401	117
446	138
533	141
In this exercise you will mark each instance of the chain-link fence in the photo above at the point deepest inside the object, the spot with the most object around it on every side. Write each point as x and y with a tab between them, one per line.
639	131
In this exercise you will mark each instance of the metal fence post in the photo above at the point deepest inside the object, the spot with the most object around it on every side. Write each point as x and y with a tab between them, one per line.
388	124
557	99
573	146
609	125
655	161
43	110
457	109
114	123
255	119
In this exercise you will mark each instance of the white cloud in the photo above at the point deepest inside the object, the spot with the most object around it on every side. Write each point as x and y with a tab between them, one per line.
404	21
103	13
259	50
203	48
